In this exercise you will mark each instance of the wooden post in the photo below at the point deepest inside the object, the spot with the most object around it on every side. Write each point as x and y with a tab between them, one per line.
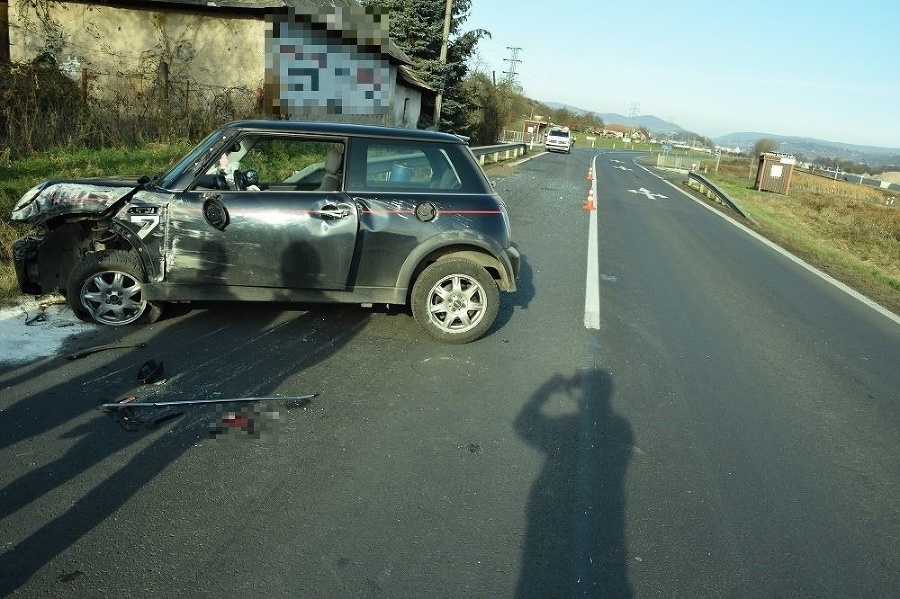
4	32
163	79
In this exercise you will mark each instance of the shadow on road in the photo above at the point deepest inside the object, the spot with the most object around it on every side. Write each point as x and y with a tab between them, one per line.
575	541
231	351
524	294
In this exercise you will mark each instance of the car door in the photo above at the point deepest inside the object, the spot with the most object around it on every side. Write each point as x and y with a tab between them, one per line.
281	229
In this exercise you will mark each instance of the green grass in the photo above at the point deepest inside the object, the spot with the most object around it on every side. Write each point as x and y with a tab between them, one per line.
19	176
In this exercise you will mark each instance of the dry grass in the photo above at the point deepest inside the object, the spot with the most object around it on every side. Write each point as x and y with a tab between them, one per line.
8	284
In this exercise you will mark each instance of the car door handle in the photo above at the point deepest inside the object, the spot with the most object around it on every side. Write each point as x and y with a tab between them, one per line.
332	212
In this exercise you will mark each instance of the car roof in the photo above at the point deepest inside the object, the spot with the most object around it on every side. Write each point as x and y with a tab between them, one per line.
348	129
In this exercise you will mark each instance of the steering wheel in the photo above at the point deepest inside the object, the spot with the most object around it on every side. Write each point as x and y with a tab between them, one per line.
240	180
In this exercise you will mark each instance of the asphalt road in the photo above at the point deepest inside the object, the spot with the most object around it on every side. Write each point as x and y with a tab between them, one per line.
701	417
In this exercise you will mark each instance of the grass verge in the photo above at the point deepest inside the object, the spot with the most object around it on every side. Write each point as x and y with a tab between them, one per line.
17	177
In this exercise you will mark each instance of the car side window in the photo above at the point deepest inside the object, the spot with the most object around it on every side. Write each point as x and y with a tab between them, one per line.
278	163
296	164
406	166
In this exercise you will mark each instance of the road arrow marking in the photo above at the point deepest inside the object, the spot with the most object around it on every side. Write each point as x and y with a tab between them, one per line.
648	193
622	168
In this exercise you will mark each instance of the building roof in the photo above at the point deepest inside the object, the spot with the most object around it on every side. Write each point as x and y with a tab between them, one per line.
409	75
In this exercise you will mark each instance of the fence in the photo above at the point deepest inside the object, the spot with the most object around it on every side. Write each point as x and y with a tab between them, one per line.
858	179
41	108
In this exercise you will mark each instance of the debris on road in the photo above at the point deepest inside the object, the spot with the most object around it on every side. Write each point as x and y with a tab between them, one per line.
150	372
98	348
131	414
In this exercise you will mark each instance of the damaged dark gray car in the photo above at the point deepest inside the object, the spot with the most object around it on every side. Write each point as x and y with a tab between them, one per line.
281	211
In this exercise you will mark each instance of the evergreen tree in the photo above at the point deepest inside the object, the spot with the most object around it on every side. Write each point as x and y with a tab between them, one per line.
417	26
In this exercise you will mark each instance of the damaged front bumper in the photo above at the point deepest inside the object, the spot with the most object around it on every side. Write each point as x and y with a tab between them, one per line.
26	252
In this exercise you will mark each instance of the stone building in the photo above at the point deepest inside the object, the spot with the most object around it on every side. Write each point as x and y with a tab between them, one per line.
300	59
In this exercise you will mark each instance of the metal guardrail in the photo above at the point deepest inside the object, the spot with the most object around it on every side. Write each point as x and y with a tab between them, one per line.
711	190
499	152
495	153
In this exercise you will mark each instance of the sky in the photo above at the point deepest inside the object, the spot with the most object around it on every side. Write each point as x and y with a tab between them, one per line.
823	70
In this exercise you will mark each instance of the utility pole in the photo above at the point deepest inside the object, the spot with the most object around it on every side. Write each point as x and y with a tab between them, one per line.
512	60
633	114
448	17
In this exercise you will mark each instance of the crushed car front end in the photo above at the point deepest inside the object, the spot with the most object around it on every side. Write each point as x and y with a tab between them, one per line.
65	218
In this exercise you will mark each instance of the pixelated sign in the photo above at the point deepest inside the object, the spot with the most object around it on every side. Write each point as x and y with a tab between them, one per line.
327	64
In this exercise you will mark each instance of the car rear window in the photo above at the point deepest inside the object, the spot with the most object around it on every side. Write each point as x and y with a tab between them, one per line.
412	166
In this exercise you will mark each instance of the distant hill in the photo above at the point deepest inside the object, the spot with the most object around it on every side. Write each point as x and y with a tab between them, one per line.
649	122
811	148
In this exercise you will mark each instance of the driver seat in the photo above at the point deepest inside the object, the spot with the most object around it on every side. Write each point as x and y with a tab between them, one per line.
332	179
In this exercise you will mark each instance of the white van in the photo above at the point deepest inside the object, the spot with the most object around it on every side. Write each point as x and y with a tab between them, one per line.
558	140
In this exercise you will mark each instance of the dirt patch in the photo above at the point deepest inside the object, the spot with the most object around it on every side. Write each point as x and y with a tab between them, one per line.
500	169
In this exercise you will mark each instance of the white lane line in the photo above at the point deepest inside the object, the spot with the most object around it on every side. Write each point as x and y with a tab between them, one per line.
592	282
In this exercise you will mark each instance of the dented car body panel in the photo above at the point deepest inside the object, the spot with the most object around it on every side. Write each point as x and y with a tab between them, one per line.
284	211
86	196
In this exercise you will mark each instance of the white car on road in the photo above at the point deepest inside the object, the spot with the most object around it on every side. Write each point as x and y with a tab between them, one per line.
558	139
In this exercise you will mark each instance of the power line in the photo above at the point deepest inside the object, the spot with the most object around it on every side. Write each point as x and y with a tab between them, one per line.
512	60
633	114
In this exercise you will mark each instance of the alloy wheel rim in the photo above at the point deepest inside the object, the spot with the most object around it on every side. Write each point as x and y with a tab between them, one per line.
456	303
113	297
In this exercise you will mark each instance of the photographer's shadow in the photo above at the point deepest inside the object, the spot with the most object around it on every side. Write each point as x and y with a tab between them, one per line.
575	542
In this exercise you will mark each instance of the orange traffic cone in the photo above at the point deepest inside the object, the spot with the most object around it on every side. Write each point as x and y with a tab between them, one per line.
589	204
590	175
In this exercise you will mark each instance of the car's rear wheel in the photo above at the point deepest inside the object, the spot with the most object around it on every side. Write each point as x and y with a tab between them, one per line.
455	300
105	287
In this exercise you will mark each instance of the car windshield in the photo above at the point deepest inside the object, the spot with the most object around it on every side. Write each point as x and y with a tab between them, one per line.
559	133
192	159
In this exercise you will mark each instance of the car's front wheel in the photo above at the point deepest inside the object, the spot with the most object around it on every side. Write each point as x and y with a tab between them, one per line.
105	287
455	300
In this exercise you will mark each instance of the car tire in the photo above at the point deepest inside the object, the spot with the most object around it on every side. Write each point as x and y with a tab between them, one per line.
105	287
455	300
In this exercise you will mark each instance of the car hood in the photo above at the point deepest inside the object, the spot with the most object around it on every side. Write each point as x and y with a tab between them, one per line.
77	196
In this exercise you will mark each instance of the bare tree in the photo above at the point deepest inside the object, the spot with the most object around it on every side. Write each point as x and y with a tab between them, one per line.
764	145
